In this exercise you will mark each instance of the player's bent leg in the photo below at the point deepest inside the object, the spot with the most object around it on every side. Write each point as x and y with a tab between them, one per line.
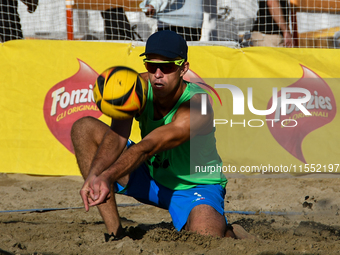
110	215
205	220
87	133
240	233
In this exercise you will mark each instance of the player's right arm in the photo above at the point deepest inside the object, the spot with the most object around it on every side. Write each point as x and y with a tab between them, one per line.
186	123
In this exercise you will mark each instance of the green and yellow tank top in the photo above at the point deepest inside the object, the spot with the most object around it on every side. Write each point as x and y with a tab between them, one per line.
189	164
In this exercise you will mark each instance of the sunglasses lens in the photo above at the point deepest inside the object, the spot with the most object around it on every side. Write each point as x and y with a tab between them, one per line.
166	68
169	68
152	68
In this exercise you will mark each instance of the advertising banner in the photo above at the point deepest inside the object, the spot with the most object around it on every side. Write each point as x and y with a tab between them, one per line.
47	86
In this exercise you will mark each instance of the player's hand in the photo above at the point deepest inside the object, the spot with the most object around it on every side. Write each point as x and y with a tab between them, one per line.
96	190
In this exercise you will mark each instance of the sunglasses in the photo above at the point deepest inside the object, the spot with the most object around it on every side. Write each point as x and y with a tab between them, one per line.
165	66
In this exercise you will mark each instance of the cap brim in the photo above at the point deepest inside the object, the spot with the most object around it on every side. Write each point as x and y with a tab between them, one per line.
161	53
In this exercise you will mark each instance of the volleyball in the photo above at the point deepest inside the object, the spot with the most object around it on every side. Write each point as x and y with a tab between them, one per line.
120	92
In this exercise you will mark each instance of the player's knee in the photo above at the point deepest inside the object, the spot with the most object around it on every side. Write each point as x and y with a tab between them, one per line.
204	210
204	219
80	126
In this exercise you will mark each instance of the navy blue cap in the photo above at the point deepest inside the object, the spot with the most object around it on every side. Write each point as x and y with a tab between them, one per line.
167	44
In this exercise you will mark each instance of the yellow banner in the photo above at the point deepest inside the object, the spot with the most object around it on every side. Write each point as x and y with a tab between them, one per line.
47	85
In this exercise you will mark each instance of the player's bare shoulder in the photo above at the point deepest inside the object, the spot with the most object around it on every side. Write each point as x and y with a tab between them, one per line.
191	110
196	105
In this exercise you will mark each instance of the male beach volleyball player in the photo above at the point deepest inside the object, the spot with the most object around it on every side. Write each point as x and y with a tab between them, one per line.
156	170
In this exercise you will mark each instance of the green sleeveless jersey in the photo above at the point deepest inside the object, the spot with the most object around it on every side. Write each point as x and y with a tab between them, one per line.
189	164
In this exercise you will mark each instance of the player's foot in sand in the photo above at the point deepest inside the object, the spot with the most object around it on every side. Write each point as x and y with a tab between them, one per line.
238	232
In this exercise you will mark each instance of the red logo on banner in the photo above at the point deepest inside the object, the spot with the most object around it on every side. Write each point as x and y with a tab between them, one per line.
321	105
70	100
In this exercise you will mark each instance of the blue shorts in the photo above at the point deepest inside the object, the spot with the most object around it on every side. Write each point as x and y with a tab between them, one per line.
179	203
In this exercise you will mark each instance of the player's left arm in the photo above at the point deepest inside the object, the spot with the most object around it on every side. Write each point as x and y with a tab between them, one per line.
186	123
